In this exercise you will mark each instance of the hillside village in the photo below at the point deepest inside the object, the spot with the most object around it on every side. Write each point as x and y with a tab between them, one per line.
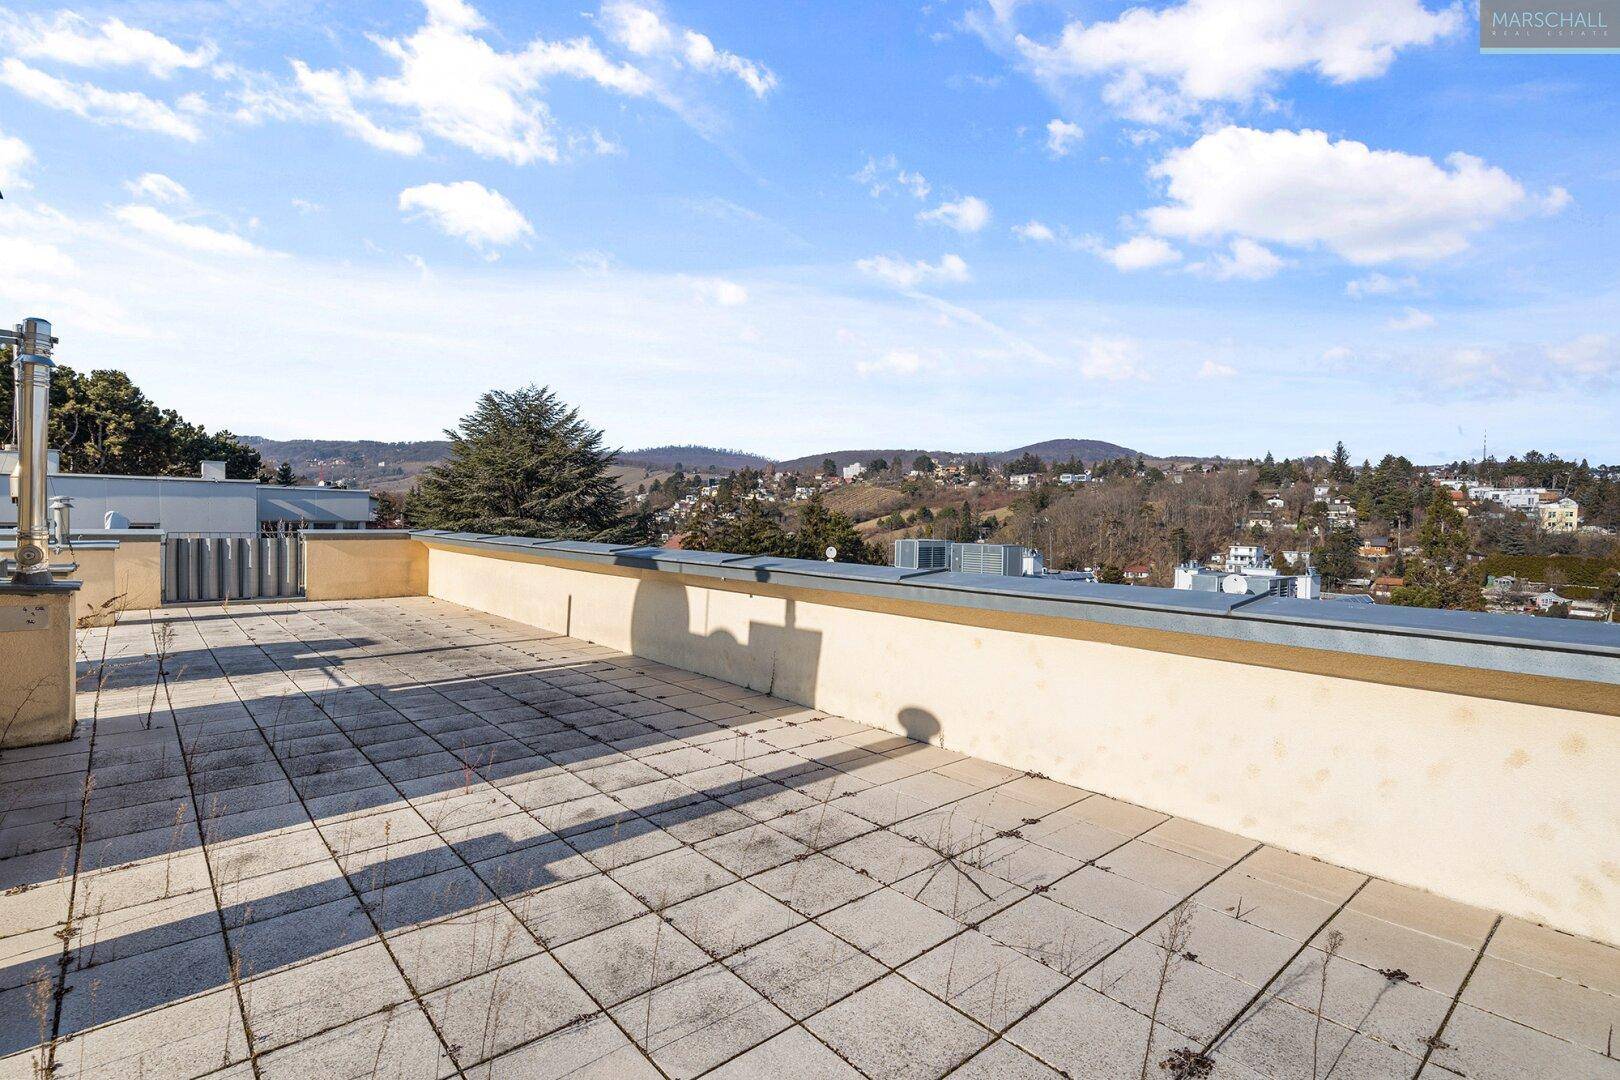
1535	535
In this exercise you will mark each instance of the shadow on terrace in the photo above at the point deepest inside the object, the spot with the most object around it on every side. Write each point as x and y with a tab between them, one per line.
434	798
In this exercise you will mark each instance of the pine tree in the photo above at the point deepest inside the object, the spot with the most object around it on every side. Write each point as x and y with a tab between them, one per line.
285	475
523	464
1340	469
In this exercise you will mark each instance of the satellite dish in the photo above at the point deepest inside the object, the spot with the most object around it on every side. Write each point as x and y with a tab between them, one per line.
832	554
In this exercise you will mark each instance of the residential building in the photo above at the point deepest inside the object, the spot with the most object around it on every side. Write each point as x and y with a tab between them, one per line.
1296	558
853	471
1023	480
1341	515
1244	556
1520	498
1384	585
1374	547
1559	515
1259	519
206	503
1138	573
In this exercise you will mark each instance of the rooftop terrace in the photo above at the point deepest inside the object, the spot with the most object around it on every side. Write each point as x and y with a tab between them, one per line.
400	837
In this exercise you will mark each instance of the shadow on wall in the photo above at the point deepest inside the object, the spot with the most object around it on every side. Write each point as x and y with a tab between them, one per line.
782	661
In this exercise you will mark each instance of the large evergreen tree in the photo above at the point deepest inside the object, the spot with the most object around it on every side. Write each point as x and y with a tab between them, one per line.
524	464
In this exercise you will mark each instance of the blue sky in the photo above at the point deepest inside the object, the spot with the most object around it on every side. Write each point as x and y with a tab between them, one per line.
1205	226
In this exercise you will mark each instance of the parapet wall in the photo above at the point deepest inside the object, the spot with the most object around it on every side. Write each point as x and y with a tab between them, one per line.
1471	755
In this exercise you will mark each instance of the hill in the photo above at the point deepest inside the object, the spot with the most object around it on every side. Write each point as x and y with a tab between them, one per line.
1051	450
691	457
381	466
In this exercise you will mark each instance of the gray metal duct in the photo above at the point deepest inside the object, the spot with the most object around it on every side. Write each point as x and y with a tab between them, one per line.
32	432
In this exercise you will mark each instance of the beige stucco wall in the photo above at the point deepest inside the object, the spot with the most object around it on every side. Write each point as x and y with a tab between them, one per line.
132	572
354	568
1507	804
36	670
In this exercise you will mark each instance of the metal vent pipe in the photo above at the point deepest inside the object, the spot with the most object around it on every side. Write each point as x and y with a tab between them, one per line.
32	432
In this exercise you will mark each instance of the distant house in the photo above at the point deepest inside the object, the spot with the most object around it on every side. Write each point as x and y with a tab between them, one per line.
1023	480
853	471
1341	515
1073	478
1275	502
1259	519
1244	556
1559	515
1384	585
1295	557
1374	547
1138	572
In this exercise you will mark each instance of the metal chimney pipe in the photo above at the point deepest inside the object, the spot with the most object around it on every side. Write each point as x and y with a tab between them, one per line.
33	384
62	516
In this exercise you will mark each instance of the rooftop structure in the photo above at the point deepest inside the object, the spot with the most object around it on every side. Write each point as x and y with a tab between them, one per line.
206	503
1248	572
1002	559
499	806
401	837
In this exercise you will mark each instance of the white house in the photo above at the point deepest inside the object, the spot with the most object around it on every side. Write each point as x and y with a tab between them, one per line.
853	471
1023	480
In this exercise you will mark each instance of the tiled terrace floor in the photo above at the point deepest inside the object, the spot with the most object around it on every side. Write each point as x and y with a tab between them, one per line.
399	838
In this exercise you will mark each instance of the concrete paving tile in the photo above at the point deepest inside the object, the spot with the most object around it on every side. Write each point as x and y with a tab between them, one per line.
1113	898
1215	846
821	826
1195	1002
1484	1046
1063	939
302	1001
538	866
271	895
1003	1061
984	978
1114	814
575	909
674	876
188	1038
1024	863
398	1044
695	822
894	1029
805	969
961	891
424	899
266	854
147	980
1563	956
621	962
22	956
1275	1039
115	935
731	918
1087	1034
814	884
491	1013
1433	962
794	1053
352	834
884	856
1393	1011
699	1020
1303	874
1425	912
461	947
889	926
25	908
594	1049
1560	1007
1163	869
1261	900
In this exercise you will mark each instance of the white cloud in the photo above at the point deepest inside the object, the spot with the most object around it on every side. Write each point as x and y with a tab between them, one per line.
124	108
329	96
1337	354
1062	137
1304	189
951	269
305	206
1590	356
467	210
1111	359
189	235
35	258
454	85
1214	370
1411	319
1037	231
645	32
881	175
1137	253
720	291
157	188
1376	284
1244	261
968	214
1163	64
895	362
15	156
69	38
